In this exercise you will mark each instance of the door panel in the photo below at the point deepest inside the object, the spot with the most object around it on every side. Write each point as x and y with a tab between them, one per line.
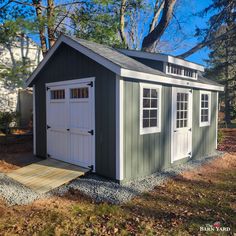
70	117
181	123
80	123
57	136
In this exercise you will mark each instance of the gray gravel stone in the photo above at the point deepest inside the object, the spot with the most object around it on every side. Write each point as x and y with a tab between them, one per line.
98	188
101	189
15	193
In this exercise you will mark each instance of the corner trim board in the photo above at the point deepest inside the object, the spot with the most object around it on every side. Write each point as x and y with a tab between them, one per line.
34	122
119	129
217	110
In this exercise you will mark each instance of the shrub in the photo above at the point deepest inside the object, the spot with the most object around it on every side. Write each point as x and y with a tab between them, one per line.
7	119
220	135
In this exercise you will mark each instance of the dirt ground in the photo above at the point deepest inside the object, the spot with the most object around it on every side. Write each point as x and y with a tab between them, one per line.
181	206
16	155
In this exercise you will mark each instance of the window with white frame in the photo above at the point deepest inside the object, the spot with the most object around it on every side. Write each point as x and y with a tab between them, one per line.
181	71
150	110
205	108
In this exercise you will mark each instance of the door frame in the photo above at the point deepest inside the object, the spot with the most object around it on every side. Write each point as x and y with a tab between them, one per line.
190	113
92	96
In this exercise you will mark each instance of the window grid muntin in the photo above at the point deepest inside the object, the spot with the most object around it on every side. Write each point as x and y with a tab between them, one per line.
150	107
182	107
204	107
79	93
58	94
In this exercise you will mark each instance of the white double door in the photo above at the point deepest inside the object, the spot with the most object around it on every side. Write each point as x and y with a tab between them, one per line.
181	123
70	122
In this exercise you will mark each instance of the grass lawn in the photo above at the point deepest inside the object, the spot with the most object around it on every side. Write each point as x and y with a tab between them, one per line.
179	207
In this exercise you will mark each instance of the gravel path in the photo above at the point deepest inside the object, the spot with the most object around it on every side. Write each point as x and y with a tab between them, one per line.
100	189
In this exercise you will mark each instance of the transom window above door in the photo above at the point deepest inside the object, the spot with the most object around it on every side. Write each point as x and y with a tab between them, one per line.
150	100
182	110
205	108
79	93
58	94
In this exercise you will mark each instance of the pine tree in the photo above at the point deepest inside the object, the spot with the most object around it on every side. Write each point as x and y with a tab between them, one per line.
222	58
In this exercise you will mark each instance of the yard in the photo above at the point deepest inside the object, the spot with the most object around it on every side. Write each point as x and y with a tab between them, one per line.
179	207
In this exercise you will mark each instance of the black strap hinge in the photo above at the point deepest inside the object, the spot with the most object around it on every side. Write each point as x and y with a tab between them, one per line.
91	132
90	167
90	84
48	127
47	88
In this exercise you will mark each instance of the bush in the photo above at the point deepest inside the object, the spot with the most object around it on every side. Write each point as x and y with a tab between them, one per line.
220	136
7	119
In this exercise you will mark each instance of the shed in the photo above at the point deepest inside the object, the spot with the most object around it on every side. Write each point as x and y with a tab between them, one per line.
123	113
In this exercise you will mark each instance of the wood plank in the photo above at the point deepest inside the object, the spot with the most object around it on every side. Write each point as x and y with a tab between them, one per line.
47	174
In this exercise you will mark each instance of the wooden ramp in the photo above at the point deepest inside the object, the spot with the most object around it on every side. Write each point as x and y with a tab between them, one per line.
46	175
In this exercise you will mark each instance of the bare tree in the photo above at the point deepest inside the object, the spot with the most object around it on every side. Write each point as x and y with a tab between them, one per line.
157	11
154	36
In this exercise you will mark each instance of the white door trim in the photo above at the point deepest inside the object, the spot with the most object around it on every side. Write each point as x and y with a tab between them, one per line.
92	96
173	110
70	82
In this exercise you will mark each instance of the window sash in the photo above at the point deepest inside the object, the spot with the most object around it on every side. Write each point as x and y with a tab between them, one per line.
149	108
205	108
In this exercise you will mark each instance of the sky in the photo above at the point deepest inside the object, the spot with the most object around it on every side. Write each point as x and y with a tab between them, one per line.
183	39
185	12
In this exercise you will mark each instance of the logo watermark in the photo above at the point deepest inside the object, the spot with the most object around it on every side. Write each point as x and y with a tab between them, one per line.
215	227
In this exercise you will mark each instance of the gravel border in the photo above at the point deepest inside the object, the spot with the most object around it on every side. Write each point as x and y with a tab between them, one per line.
98	188
101	189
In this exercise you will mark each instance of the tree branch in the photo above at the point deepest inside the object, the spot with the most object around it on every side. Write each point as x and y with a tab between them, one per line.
122	21
150	40
157	12
205	43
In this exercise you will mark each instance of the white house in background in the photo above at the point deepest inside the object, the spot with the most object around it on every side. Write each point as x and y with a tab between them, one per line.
23	48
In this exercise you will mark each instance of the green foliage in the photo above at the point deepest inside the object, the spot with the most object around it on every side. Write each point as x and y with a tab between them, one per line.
97	21
6	119
220	136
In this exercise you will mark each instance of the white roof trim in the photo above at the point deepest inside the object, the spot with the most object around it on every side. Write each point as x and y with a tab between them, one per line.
167	80
164	58
117	69
89	53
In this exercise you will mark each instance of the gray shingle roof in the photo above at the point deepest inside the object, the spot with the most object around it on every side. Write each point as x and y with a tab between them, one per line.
129	63
117	57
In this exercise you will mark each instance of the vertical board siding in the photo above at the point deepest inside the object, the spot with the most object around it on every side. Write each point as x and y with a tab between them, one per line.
204	138
68	64
148	153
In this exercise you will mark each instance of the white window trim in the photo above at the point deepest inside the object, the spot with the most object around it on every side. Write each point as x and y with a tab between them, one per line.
206	123
149	130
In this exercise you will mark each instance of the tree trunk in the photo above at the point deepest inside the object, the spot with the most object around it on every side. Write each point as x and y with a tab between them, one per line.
38	9
157	12
153	37
50	15
122	21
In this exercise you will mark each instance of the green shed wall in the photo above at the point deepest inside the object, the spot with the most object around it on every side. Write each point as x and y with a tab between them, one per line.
68	64
149	153
204	138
